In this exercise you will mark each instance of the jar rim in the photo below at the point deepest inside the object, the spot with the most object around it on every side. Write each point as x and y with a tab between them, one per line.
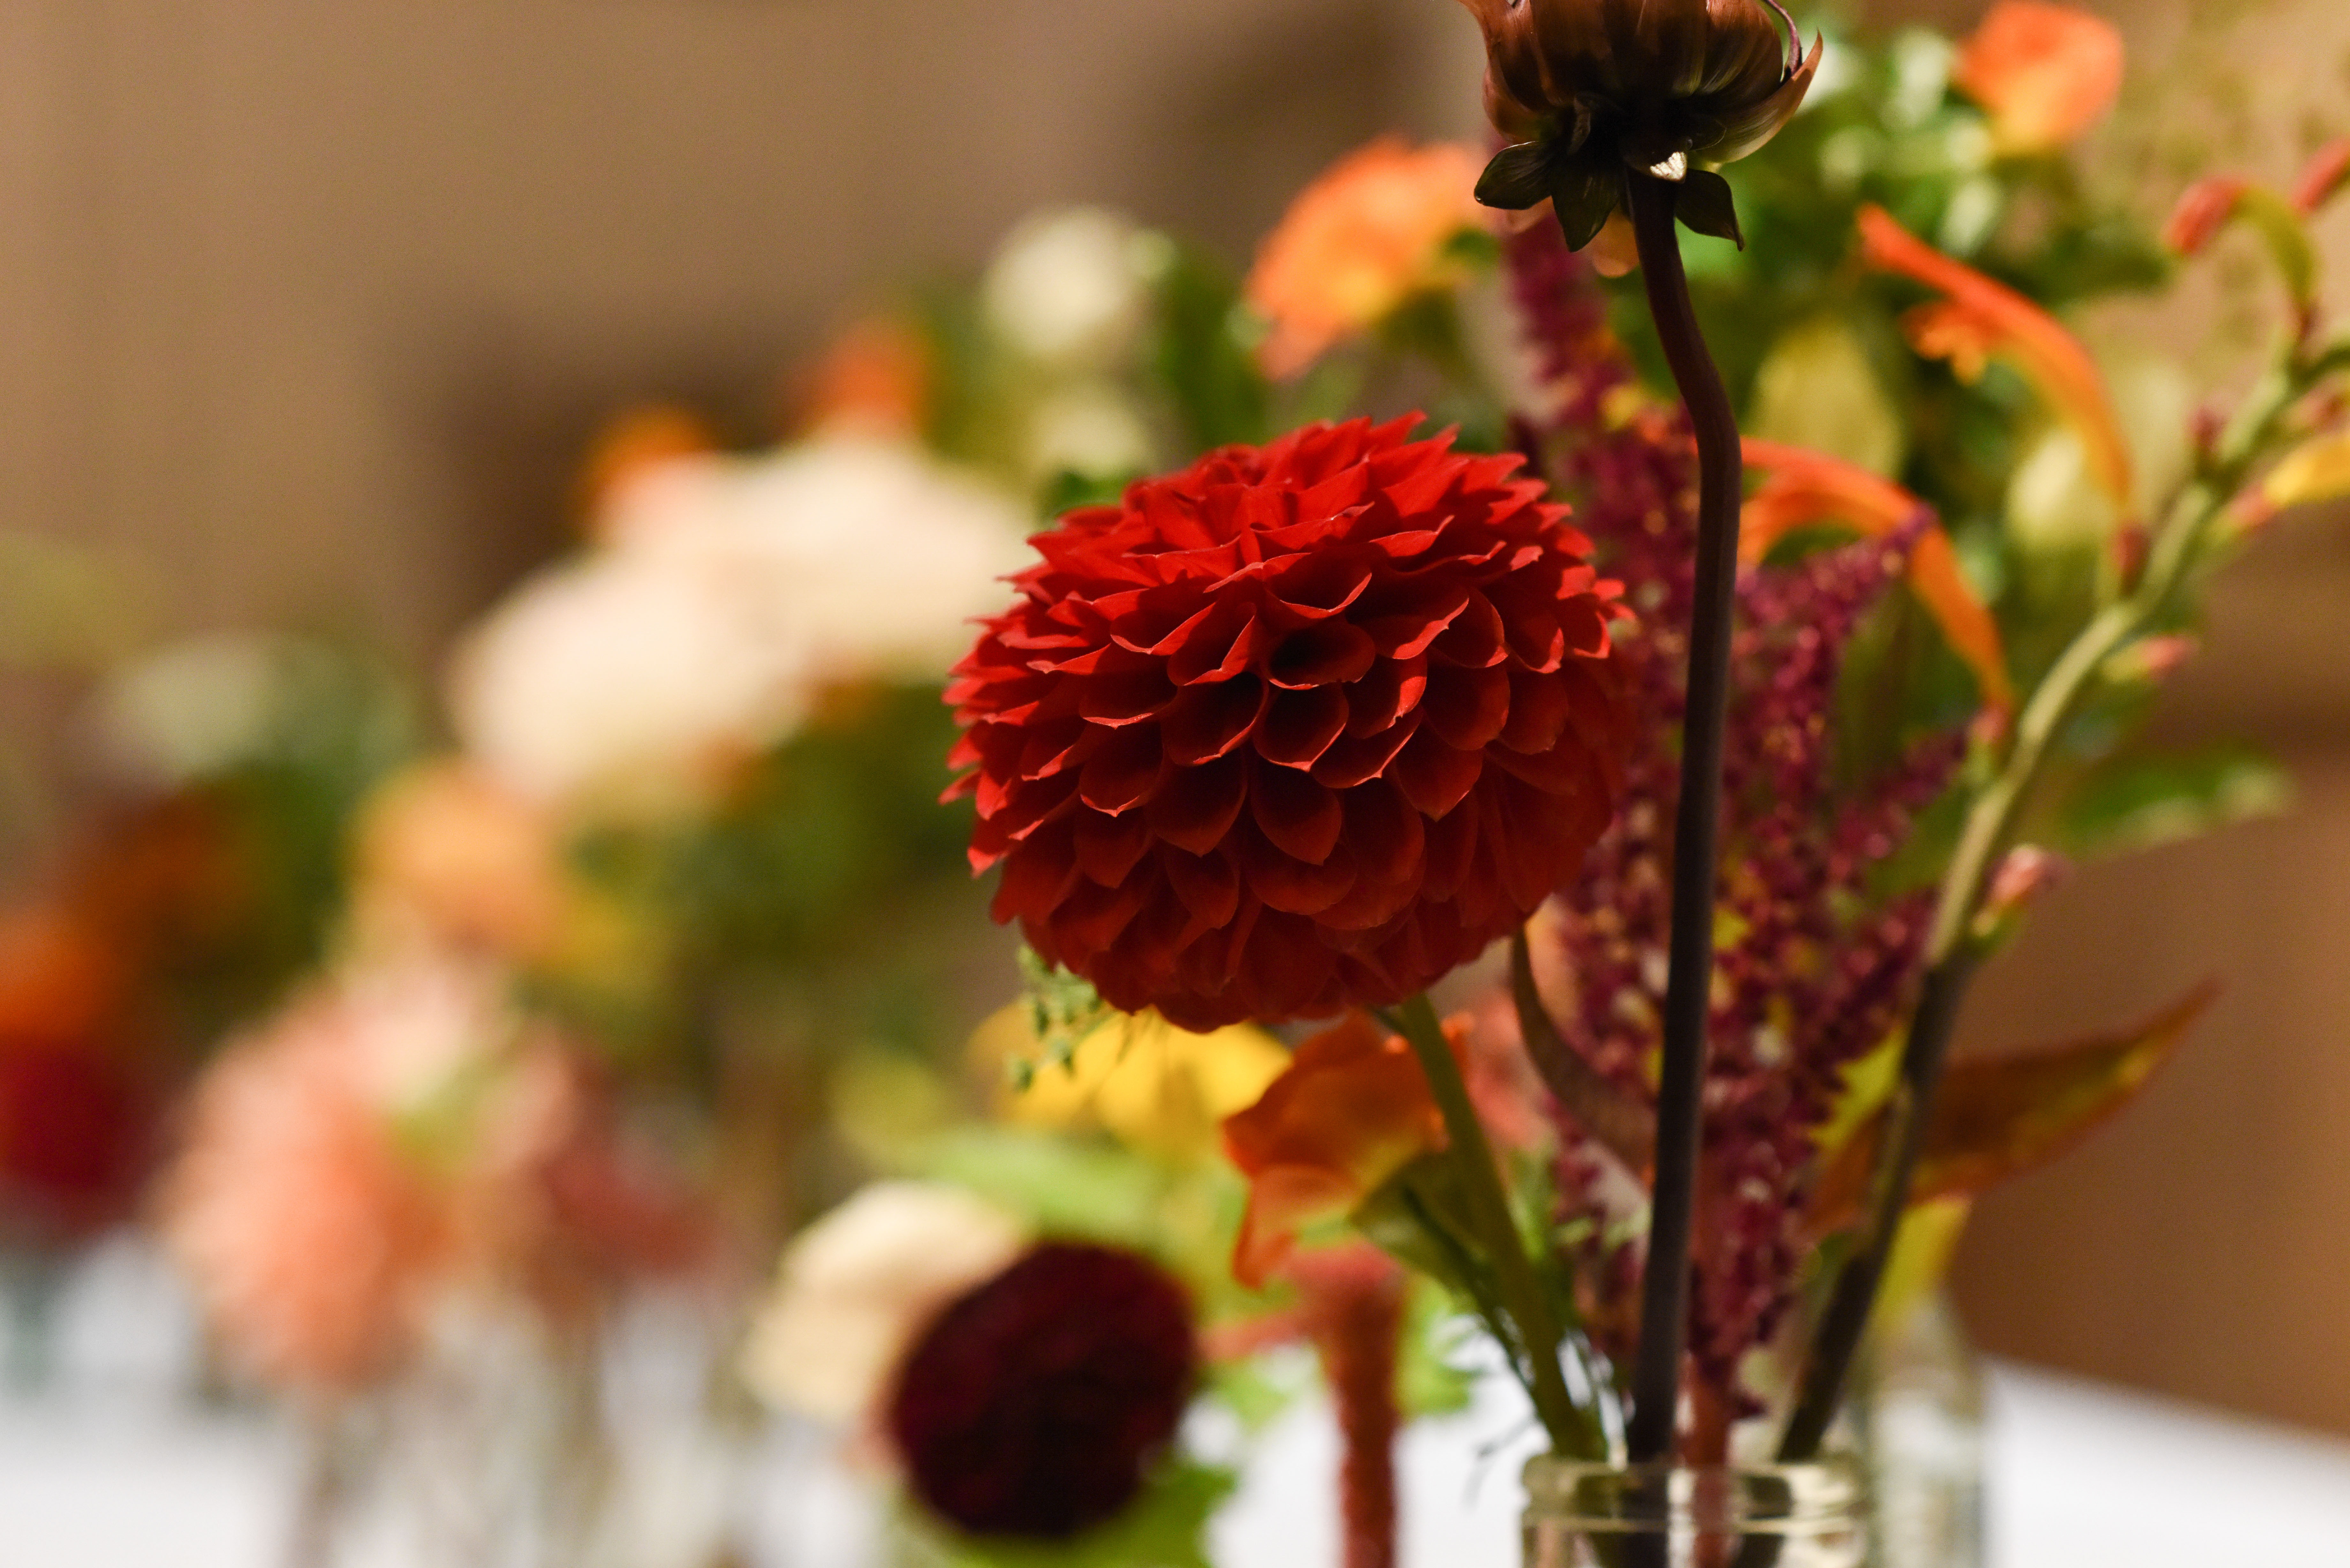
1824	1493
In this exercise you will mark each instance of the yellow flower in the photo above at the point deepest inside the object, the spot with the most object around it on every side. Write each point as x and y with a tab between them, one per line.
1357	243
1150	1085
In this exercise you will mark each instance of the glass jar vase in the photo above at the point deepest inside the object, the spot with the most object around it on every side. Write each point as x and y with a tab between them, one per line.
1588	1515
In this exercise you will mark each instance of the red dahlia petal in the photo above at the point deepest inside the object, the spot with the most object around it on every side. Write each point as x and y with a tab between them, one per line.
1207	721
1300	816
1121	769
1193	808
1467	708
1433	776
1298	727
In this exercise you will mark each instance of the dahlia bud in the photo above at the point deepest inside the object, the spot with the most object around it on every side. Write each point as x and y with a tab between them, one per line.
1590	89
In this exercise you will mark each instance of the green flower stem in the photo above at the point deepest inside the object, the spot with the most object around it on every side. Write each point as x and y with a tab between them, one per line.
1573	1431
1951	950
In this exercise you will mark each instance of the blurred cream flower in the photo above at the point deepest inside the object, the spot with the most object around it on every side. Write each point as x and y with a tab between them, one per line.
857	1286
731	593
1071	289
305	1218
871	553
629	674
1087	429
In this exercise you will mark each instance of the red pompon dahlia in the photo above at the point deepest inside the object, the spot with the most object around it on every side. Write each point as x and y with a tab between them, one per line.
1296	730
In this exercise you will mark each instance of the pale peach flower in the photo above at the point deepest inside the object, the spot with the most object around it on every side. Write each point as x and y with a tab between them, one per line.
2046	73
311	1232
1357	243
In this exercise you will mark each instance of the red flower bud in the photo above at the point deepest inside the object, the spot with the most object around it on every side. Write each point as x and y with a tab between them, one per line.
1589	89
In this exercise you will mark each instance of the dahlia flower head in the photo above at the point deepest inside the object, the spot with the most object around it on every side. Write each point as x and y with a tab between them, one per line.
1298	728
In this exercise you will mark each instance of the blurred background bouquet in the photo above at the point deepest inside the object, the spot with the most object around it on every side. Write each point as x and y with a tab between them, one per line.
475	1035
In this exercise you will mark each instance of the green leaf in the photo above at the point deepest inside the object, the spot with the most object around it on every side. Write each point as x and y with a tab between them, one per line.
2139	801
1584	190
1166	1527
1205	355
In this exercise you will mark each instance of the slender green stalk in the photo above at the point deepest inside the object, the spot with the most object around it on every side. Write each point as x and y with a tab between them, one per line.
1952	954
1572	1430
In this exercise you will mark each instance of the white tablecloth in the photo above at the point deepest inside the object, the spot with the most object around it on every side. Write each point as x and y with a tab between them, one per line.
2082	1476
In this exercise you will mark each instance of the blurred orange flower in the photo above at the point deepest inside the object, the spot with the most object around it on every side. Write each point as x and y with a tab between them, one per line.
1357	243
1352	1109
630	443
873	380
1979	318
2046	73
447	854
1803	488
2203	209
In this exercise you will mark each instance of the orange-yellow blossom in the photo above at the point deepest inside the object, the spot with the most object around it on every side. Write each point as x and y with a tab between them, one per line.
873	380
1351	1110
1805	488
1357	243
1978	318
2046	73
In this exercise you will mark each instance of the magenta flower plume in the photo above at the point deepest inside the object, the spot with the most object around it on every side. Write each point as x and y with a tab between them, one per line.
1296	730
1815	964
1034	1404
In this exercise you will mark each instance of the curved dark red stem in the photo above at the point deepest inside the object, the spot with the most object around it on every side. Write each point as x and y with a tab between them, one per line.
1664	1305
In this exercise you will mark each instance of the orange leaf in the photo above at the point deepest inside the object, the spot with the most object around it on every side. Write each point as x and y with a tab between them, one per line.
1999	1118
1979	318
1807	488
1351	1110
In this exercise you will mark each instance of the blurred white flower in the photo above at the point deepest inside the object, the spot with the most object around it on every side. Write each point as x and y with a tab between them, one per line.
857	1286
206	704
1087	429
1072	288
731	591
633	673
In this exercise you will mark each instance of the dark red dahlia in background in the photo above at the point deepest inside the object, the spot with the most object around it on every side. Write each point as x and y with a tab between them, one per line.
1034	1405
1296	730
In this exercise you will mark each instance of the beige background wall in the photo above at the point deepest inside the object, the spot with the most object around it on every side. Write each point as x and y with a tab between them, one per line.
313	305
